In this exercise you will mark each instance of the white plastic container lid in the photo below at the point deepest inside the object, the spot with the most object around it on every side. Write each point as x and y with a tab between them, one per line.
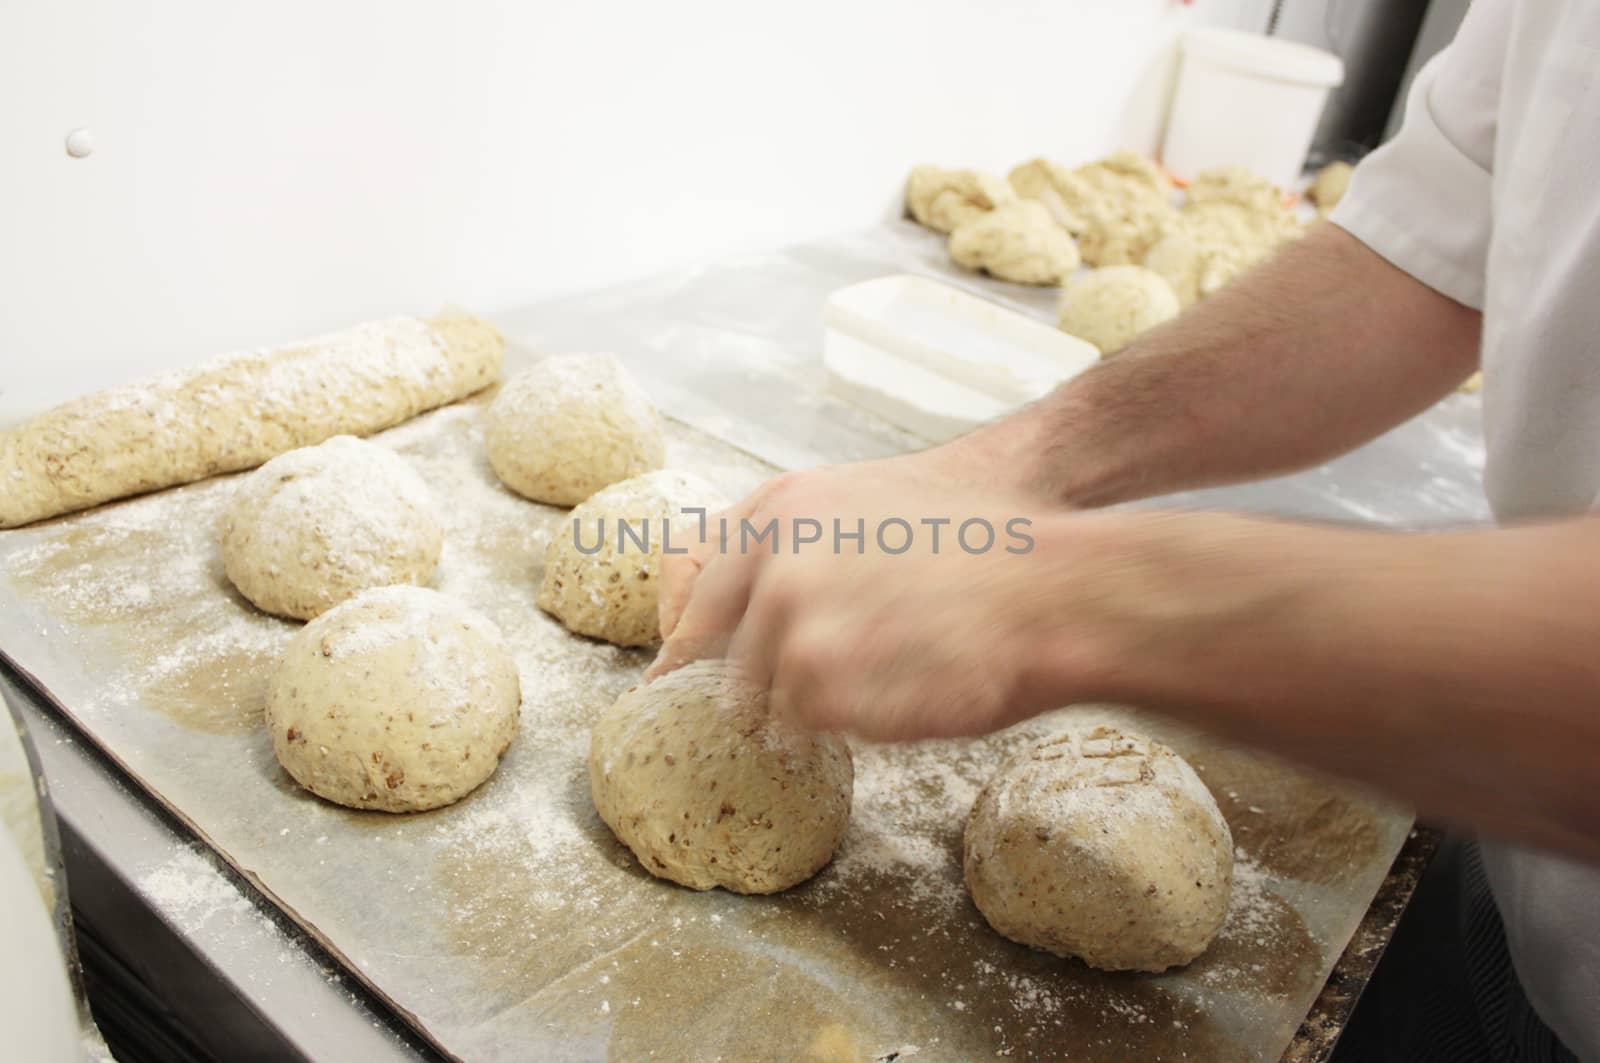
971	341
937	360
1265	57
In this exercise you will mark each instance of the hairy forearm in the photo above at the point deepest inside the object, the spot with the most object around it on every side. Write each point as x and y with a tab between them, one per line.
1318	351
1457	671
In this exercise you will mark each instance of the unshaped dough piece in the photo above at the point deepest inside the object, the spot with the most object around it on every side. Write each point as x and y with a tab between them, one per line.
1120	231
1103	845
1330	185
1110	306
570	425
944	199
1211	243
1180	261
1220	221
319	525
694	774
1238	185
1138	168
609	588
1116	207
1038	178
1196	267
1018	242
401	699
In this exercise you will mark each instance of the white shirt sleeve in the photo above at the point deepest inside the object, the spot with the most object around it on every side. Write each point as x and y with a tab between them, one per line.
1423	200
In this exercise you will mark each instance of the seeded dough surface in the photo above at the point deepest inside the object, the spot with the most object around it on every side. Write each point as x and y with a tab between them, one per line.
238	411
401	699
694	775
602	569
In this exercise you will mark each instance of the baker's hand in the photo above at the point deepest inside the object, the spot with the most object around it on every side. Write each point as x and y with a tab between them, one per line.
927	624
817	494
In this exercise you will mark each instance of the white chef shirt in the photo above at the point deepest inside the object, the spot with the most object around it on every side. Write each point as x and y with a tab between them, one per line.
1490	194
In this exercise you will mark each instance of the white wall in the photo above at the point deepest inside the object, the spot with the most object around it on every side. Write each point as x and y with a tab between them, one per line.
263	171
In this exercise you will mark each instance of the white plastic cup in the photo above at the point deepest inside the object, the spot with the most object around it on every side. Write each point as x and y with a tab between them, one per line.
1247	100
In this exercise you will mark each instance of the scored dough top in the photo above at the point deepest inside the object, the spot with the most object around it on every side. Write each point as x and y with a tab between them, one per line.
1104	845
1069	775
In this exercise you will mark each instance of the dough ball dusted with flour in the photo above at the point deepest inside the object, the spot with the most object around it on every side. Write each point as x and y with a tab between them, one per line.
695	776
318	525
1018	242
571	425
1104	845
1111	306
602	569
401	700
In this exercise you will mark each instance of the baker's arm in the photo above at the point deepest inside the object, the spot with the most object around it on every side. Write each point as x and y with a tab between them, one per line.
1335	340
1450	670
1339	338
1324	348
1457	671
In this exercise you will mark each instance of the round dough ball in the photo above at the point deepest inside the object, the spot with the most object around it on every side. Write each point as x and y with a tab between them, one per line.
602	569
571	425
694	775
1330	185
1111	306
944	199
1102	845
1018	242
317	526
401	699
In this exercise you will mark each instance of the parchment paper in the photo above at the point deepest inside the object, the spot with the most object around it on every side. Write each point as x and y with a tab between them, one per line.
512	926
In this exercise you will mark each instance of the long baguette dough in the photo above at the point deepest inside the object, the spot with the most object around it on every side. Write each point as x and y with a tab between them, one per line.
239	411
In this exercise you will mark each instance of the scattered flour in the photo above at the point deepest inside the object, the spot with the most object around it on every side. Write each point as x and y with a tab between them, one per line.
521	875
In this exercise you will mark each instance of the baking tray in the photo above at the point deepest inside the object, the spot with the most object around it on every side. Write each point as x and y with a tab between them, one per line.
511	925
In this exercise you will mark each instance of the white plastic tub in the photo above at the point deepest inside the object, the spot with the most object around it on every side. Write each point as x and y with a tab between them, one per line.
937	361
1247	100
